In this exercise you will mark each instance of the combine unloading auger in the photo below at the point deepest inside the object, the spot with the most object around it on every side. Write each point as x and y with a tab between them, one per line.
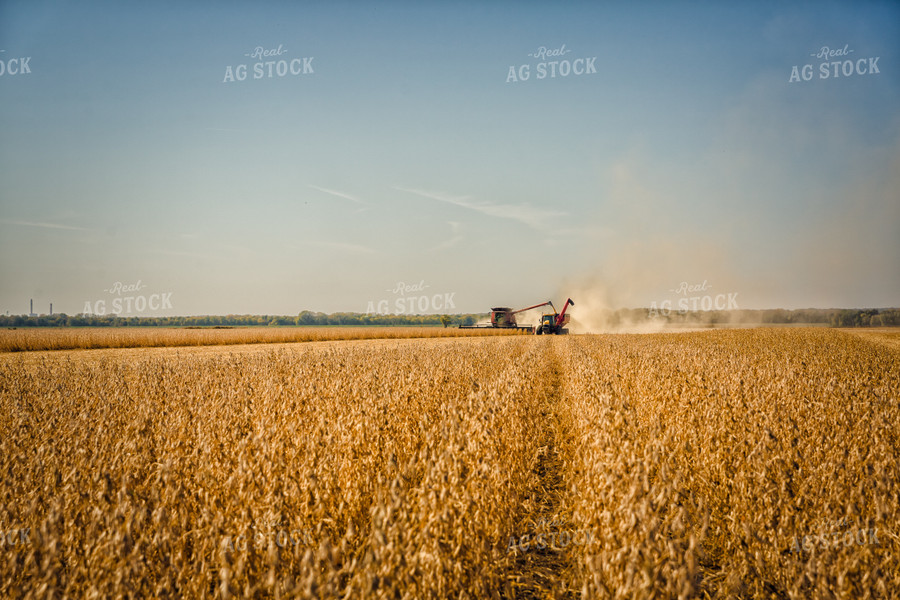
555	323
503	317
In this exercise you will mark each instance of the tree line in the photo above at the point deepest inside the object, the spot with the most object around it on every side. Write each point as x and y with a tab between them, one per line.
305	318
833	317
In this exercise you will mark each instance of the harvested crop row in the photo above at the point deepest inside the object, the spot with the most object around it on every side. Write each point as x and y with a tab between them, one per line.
21	340
279	473
747	463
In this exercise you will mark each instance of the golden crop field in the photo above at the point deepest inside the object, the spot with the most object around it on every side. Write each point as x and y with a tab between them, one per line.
18	340
752	463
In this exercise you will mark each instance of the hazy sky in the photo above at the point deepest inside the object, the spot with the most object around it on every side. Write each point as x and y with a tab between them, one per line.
402	150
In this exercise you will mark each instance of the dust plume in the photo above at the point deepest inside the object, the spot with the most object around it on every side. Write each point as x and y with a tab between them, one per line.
597	310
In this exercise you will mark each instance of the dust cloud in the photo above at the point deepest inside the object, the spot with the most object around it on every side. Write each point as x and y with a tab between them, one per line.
597	310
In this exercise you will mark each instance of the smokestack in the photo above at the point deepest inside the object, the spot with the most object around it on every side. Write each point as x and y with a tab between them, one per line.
51	309
31	307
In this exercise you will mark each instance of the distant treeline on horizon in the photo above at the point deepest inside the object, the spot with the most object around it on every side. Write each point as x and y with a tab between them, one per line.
834	317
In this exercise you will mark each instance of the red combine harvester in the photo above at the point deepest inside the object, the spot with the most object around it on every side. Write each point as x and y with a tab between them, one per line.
504	317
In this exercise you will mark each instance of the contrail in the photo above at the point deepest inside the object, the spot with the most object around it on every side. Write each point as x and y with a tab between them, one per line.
343	195
45	225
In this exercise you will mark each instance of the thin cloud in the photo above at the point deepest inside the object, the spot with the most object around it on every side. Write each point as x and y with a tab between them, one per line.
529	215
455	239
182	253
44	225
343	247
234	130
337	193
591	231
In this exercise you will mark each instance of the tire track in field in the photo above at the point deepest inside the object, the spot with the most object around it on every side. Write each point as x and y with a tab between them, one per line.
541	560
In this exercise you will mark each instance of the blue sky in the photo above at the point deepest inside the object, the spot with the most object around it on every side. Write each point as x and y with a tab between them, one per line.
407	155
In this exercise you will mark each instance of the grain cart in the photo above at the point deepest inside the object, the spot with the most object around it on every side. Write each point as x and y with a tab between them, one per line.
503	317
553	323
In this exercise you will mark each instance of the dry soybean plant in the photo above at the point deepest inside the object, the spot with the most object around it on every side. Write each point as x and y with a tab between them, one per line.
320	472
700	458
735	463
20	340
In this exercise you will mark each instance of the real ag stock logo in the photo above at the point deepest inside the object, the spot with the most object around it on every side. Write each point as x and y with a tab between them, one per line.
690	299
551	535
552	65
835	535
411	299
14	66
122	304
268	64
843	66
273	534
10	538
